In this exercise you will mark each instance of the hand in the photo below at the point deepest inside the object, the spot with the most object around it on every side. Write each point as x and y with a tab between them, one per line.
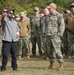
26	34
18	37
59	34
29	36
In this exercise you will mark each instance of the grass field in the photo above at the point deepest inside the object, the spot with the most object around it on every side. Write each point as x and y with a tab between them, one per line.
36	66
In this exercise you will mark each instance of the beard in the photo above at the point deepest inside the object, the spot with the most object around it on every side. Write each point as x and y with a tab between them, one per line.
10	17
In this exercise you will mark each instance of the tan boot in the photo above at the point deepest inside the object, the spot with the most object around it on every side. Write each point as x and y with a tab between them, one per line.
61	67
28	57
19	57
51	66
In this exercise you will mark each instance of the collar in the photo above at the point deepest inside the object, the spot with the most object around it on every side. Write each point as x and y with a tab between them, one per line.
37	15
54	13
9	19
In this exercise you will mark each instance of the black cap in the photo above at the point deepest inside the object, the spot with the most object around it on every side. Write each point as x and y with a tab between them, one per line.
8	10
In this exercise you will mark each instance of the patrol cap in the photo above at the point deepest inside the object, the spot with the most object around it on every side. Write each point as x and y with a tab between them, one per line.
52	5
16	15
68	11
72	5
23	12
36	8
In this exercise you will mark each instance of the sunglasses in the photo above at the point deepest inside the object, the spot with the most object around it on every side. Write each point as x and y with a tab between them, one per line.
72	6
21	16
4	11
35	10
10	13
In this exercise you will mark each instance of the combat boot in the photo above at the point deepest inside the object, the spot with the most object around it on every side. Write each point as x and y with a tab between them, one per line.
61	67
19	57
51	66
28	57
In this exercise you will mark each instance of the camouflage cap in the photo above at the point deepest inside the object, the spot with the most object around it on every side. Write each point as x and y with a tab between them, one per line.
16	15
52	5
25	11
36	8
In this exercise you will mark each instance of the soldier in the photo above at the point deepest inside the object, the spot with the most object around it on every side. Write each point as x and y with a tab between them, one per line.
42	28
54	30
64	38
0	35
35	31
24	45
16	17
69	21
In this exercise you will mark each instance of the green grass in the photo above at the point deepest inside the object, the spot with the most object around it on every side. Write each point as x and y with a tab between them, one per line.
36	66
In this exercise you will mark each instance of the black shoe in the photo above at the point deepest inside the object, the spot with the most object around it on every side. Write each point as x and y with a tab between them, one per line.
14	69
3	69
33	55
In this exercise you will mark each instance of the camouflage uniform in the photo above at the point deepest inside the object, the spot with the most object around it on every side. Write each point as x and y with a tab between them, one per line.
0	44
35	33
24	41
54	30
65	43
64	38
0	36
24	46
43	36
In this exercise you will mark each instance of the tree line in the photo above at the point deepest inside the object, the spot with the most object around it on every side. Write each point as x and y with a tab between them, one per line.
19	5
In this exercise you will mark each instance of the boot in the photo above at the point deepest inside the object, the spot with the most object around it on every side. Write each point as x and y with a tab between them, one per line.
28	57
61	66
19	57
72	57
51	66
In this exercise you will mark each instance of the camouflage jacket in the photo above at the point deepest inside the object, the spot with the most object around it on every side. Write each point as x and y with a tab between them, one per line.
35	24
43	23
56	25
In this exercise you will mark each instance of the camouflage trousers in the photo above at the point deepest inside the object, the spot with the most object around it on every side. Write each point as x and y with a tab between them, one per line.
70	39
34	40
65	43
68	43
24	46
0	44
43	46
54	48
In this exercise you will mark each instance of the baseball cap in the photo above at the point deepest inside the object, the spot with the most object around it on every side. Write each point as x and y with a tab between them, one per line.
36	8
16	15
52	5
9	10
23	12
72	5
